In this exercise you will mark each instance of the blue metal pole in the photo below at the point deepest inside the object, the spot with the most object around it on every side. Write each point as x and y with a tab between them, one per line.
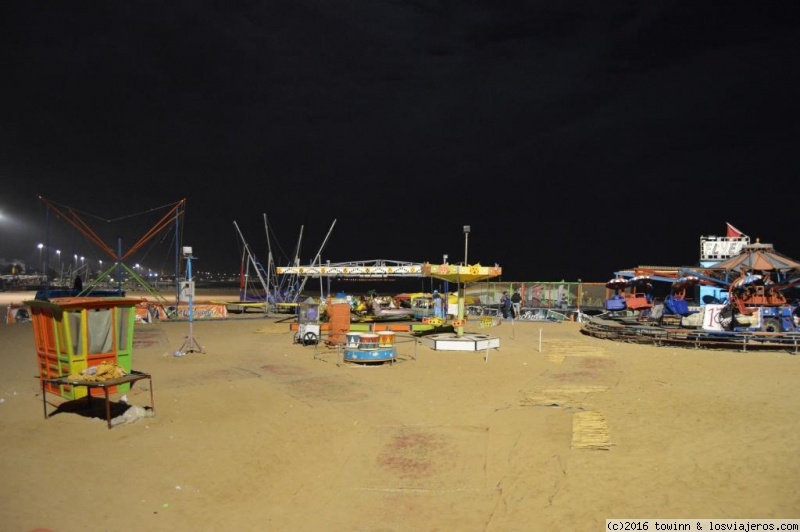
191	295
177	258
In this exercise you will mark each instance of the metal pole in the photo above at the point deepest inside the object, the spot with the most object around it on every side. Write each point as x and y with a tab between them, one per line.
119	266
270	266
190	345
462	289
177	258
252	260
46	266
317	257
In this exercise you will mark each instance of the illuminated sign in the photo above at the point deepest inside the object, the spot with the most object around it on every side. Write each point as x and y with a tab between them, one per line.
721	247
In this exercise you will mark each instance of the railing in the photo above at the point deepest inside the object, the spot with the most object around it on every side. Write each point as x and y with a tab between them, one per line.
528	313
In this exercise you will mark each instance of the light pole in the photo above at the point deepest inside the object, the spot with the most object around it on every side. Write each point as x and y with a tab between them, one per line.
466	242
58	254
41	265
446	289
462	289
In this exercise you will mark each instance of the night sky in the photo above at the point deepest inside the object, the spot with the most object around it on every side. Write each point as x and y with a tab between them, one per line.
575	138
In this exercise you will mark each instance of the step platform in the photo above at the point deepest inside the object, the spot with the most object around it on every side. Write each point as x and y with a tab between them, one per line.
465	342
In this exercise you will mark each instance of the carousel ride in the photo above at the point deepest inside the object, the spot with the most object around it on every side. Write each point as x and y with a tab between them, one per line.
759	283
754	306
458	340
364	347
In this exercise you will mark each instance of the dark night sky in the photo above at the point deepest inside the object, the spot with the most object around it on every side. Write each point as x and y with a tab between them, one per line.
576	138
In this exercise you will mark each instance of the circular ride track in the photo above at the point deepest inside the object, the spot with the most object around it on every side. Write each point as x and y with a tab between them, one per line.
602	327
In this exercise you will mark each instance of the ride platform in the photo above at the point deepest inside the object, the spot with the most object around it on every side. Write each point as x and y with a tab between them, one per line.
465	342
354	354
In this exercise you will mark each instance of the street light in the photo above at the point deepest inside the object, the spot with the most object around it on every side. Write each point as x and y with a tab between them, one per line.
58	254
41	265
462	289
466	241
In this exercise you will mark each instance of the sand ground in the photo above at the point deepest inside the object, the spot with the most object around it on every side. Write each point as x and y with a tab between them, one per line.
555	431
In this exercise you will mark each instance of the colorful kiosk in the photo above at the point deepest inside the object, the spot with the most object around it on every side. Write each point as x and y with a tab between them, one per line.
77	333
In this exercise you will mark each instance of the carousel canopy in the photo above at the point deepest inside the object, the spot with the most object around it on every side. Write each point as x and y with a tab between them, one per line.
456	273
758	257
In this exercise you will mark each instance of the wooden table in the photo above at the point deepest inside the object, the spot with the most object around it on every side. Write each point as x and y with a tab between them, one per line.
131	378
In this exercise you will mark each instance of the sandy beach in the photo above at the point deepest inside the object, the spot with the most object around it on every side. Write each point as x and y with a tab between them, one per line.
554	430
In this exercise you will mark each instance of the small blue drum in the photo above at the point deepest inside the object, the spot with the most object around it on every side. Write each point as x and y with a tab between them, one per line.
352	338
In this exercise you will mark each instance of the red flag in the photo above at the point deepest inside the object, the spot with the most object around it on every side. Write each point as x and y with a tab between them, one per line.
733	232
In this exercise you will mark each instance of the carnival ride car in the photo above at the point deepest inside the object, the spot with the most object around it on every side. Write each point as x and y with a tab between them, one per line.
670	311
756	303
676	303
617	301
634	295
422	307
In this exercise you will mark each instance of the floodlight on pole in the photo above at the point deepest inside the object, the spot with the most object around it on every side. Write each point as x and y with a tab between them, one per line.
41	265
